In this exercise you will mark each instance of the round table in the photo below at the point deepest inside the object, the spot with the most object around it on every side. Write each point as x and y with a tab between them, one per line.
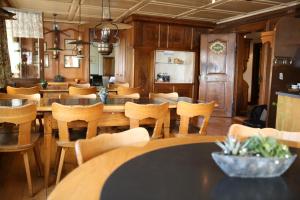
180	168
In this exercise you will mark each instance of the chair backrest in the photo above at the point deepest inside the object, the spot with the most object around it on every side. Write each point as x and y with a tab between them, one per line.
23	90
82	91
173	95
68	96
66	114
126	90
33	97
130	96
87	149
137	112
82	85
241	132
116	85
21	116
189	110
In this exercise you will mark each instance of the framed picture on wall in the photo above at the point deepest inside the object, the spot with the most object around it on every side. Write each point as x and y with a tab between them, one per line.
46	60
71	62
69	46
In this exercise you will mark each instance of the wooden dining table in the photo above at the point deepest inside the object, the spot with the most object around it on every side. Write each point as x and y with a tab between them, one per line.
174	168
113	115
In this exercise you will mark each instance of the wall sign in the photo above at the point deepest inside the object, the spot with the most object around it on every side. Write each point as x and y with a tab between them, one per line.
217	46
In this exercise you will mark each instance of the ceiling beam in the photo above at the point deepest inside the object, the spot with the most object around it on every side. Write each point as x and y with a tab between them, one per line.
73	9
132	10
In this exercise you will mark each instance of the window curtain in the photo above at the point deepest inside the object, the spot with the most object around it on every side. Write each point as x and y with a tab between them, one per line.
27	25
5	72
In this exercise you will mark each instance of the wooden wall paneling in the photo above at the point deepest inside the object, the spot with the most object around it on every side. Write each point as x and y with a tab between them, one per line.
57	65
143	69
163	36
184	90
286	44
180	37
146	34
163	88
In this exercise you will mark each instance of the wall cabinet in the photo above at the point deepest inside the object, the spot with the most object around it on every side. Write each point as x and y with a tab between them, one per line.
184	90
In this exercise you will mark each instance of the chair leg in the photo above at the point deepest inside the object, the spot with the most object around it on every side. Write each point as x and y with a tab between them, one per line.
57	156
27	169
37	156
61	162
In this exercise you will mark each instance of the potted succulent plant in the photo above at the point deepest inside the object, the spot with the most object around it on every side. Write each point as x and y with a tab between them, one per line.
44	84
258	156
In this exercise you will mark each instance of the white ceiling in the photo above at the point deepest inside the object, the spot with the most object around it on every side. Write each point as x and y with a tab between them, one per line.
204	10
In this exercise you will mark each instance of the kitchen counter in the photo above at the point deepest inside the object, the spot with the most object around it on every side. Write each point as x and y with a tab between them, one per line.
289	94
288	111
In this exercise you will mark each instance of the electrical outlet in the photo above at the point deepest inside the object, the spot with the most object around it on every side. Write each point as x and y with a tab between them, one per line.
280	76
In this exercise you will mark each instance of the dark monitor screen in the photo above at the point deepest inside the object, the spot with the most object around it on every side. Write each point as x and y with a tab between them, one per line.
96	80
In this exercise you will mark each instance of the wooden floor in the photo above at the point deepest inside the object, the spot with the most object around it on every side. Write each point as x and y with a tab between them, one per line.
13	185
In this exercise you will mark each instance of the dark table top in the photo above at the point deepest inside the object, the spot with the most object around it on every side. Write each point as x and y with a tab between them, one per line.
187	172
13	102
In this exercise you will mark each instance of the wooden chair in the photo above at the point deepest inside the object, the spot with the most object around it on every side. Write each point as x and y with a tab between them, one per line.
82	85
173	95
68	96
241	132
33	97
82	91
137	112
22	141
89	148
130	96
67	114
116	85
126	90
22	90
188	110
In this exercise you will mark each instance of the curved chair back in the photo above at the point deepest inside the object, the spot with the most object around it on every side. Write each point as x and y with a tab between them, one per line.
126	90
89	148
173	95
136	112
23	90
189	110
82	85
116	85
241	132
82	91
21	116
33	97
130	96
65	114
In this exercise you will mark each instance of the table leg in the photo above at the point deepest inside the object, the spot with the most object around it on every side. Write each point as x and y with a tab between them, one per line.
167	124
47	144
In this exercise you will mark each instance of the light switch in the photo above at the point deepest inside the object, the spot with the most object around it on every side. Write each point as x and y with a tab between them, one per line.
280	76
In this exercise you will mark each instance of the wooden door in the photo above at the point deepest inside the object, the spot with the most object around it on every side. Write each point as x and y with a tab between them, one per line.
217	66
108	66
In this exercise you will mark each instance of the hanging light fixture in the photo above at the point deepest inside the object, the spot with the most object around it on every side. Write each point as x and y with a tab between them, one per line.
55	29
78	49
109	31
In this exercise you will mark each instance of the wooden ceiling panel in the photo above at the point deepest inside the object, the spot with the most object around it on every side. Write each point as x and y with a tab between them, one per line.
163	9
242	6
220	12
210	14
191	3
122	4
